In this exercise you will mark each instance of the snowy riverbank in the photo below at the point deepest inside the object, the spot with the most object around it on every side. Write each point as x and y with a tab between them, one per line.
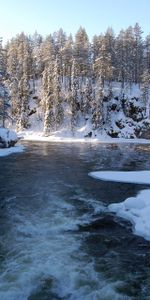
8	139
65	136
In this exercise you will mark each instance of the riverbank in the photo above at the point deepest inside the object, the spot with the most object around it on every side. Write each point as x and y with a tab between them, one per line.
64	136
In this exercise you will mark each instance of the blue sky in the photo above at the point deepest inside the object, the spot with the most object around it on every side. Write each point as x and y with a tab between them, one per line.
47	16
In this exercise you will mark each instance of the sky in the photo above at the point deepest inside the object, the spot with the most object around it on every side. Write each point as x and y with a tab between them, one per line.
48	16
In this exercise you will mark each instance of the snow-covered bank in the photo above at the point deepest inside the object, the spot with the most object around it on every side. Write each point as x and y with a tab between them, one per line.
139	177
8	138
55	137
61	136
137	211
134	209
8	151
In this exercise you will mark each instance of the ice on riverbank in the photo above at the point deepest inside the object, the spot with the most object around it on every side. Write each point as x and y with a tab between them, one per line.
139	177
8	151
137	211
134	209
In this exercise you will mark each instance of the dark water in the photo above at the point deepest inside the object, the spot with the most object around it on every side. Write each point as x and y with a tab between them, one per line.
57	239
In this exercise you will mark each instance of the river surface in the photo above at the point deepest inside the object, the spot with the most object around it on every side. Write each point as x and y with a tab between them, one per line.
57	238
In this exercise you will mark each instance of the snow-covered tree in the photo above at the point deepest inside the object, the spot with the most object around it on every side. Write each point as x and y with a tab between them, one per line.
145	88
86	103
58	107
4	103
81	52
97	116
74	101
48	101
67	58
138	53
102	62
4	97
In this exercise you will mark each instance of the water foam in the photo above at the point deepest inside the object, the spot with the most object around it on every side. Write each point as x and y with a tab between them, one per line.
43	248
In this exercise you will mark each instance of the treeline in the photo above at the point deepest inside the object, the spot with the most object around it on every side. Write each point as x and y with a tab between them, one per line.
72	73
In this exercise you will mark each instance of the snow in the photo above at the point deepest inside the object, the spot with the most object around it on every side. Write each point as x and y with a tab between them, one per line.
8	151
118	127
8	138
57	136
118	122
8	135
134	209
64	135
139	177
137	211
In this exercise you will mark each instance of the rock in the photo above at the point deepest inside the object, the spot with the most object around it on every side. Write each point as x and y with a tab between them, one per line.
32	111
145	134
120	124
89	135
135	109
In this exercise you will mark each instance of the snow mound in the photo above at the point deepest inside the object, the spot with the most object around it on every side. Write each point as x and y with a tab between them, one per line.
139	177
8	138
137	211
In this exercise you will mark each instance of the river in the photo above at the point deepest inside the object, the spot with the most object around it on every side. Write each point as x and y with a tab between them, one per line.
57	238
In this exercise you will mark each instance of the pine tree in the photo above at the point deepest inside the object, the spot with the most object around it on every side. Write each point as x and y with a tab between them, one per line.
57	96
103	65
19	67
48	51
81	52
67	58
4	97
86	103
48	104
74	102
146	53
97	116
24	73
4	103
138	54
145	88
37	64
60	39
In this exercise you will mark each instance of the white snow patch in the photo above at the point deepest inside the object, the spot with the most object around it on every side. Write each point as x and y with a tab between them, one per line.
8	151
137	211
140	177
64	135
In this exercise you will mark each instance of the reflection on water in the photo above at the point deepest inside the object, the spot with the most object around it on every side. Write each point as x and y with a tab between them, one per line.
57	239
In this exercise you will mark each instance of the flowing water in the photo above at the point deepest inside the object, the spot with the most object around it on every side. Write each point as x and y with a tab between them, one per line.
57	239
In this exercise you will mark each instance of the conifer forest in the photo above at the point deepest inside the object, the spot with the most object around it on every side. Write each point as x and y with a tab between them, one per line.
66	80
